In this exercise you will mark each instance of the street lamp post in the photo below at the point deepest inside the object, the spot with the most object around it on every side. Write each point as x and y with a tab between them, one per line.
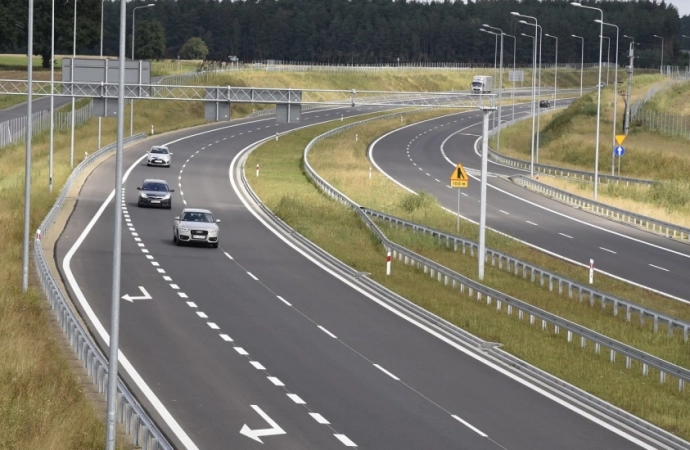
631	55
534	80
615	99
555	77
541	39
661	68
500	88
100	119
686	71
608	57
582	64
27	156
131	102
514	55
74	55
601	45
52	98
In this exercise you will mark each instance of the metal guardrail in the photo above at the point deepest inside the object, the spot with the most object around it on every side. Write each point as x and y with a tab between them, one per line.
543	276
509	360
475	289
656	226
129	412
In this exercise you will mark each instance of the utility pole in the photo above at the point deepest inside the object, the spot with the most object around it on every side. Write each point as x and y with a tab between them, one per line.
626	127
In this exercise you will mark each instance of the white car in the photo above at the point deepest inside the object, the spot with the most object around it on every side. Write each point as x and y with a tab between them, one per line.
158	156
196	225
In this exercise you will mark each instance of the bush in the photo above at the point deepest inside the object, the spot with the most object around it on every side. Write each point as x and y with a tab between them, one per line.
194	48
412	202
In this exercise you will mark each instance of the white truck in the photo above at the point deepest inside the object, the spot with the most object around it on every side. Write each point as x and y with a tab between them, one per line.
481	84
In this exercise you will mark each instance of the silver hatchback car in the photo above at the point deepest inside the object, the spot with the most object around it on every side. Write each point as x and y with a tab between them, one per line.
196	225
159	155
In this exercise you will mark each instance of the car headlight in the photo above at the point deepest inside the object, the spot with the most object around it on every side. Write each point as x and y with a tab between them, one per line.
167	196
214	232
142	195
184	229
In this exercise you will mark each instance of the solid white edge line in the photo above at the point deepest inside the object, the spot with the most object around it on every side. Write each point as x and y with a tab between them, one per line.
386	372
252	275
328	332
283	300
607	250
228	255
100	329
660	268
565	235
476	430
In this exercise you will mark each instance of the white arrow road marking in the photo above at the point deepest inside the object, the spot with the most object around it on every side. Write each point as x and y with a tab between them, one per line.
256	434
146	296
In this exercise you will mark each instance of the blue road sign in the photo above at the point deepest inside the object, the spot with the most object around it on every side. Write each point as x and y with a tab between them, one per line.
619	151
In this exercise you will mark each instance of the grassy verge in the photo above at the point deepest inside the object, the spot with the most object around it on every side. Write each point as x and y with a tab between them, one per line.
41	402
285	189
568	140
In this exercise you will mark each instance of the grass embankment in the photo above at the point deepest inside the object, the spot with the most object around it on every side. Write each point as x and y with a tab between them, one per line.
41	402
285	189
568	140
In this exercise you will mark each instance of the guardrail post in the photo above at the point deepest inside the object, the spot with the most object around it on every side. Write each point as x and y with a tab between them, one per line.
531	319
612	358
662	376
597	348
543	324
656	323
628	362
583	342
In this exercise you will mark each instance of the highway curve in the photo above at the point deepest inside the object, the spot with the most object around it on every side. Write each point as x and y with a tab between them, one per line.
421	157
261	336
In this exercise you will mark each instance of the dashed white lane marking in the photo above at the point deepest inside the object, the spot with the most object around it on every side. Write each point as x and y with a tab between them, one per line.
504	212
213	326
531	223
386	372
276	381
182	295
137	239
328	332
476	430
191	304
420	168
437	180
174	286
283	300
167	278
161	270
226	254
660	268
319	418
252	275
607	250
135	234
226	338
296	398
202	314
257	365
464	194
345	440
565	235
241	351
140	244
427	174
143	250
155	263
149	256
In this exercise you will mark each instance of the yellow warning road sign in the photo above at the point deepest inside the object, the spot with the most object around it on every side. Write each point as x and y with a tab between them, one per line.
458	178
620	138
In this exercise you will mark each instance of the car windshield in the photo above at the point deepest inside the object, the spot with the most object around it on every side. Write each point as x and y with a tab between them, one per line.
198	217
160	150
150	186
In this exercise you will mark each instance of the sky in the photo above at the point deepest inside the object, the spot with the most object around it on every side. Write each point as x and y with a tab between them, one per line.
682	5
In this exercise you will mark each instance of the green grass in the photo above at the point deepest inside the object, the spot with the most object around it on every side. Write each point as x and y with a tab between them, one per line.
284	188
19	62
568	140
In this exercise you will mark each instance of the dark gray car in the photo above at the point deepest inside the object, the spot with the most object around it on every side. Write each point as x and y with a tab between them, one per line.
155	193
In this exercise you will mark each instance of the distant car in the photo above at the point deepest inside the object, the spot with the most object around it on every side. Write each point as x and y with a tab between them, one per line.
544	104
158	156
601	85
196	225
155	193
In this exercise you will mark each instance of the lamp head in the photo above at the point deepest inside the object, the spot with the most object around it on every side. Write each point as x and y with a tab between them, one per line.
526	35
576	4
485	25
598	21
525	22
150	4
657	36
514	13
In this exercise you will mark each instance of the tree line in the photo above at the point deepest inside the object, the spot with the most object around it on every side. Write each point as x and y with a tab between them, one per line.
351	31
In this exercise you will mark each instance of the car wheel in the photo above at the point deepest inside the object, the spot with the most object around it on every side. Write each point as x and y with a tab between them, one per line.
139	204
169	206
179	242
214	245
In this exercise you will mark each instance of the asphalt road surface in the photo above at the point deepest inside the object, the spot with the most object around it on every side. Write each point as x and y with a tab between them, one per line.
254	341
422	157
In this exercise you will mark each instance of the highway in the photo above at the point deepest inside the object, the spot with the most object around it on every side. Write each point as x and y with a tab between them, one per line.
263	344
421	157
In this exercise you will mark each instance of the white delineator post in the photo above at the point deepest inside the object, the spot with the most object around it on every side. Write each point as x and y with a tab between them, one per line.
591	271
151	130
257	170
370	173
388	263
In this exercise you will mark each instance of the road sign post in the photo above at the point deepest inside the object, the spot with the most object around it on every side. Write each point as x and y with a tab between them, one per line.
619	151
458	179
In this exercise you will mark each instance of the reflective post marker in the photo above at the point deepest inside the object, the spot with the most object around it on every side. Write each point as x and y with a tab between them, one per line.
591	271
388	263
